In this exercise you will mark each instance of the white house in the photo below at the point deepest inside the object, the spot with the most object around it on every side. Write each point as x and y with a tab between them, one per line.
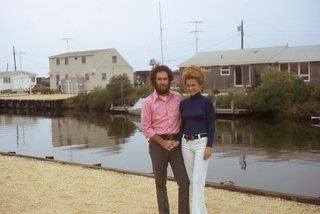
86	70
17	81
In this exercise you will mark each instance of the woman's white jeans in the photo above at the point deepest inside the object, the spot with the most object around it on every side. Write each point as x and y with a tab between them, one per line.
193	153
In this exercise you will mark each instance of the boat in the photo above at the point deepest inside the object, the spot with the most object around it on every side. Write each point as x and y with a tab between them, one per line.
136	108
315	121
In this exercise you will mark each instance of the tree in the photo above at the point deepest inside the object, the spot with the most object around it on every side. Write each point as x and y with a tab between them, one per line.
119	90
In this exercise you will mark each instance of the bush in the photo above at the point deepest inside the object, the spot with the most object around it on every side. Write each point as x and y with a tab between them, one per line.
283	94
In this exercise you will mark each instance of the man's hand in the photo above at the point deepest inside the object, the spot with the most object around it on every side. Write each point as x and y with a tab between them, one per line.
166	144
170	144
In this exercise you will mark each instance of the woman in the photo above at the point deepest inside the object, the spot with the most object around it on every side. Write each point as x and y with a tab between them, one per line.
197	129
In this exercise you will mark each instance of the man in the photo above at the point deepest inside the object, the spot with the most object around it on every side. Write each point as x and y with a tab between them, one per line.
160	122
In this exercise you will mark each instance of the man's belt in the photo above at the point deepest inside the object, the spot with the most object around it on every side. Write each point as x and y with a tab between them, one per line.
169	136
195	136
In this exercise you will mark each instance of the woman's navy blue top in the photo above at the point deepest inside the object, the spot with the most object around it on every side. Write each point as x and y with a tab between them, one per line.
198	117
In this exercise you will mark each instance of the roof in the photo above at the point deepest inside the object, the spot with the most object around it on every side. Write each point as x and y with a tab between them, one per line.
81	53
10	73
255	56
298	54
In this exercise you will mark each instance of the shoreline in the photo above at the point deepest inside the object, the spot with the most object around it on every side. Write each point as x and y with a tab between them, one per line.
31	184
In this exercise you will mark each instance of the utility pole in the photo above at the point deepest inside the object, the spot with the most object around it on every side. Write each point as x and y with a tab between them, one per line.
196	31
161	34
67	41
14	59
240	28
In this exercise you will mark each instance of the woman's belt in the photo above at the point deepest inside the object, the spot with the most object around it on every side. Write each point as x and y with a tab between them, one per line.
195	136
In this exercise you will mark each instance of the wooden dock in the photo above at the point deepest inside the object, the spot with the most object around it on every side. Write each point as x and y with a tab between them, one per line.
232	111
26	101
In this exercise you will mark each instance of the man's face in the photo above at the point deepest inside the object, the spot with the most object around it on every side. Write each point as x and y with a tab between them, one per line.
162	83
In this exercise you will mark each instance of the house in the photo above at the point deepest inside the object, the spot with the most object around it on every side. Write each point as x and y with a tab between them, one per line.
17	81
233	70
77	72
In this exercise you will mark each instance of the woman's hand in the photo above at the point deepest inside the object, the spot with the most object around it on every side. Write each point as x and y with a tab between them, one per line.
207	153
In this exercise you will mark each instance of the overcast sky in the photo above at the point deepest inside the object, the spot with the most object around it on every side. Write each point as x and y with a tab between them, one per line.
37	27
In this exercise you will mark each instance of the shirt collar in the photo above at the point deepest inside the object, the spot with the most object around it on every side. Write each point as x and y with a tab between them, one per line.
155	95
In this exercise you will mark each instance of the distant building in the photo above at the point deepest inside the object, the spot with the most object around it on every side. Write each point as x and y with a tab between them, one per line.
43	81
141	78
91	68
237	69
17	81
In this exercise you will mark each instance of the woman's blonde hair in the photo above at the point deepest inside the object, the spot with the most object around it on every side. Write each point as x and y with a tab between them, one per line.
193	72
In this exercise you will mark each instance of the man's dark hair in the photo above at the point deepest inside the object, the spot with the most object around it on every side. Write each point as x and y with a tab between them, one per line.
157	69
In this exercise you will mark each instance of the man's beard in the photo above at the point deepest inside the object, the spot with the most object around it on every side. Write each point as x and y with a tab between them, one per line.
162	90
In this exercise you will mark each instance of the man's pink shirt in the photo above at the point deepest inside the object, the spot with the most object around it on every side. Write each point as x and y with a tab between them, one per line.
160	116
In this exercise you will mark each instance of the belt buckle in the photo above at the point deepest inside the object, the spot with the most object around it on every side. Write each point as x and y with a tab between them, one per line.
170	137
189	137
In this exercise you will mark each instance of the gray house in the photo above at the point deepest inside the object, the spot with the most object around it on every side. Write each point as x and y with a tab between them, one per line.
77	72
233	70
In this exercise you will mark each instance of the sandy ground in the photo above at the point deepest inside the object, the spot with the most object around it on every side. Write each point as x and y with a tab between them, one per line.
36	186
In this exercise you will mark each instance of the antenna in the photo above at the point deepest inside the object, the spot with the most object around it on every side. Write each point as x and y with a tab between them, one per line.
161	34
67	41
19	53
196	31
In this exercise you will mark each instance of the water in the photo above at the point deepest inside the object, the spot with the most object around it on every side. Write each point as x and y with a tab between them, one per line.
275	155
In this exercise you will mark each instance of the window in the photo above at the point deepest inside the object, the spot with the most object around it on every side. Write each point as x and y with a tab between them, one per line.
206	68
224	71
87	76
294	68
6	80
114	59
33	79
104	76
57	61
304	71
83	60
66	61
58	79
66	76
284	67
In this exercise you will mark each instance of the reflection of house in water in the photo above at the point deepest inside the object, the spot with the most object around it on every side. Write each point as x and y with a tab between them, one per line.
19	124
265	141
229	134
70	131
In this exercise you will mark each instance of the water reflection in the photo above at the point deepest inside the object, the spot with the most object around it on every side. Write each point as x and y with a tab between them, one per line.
272	135
92	131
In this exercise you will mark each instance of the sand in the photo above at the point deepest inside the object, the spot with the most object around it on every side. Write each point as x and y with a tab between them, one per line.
38	186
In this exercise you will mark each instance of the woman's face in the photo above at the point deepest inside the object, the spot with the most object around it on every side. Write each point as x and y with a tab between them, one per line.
193	87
